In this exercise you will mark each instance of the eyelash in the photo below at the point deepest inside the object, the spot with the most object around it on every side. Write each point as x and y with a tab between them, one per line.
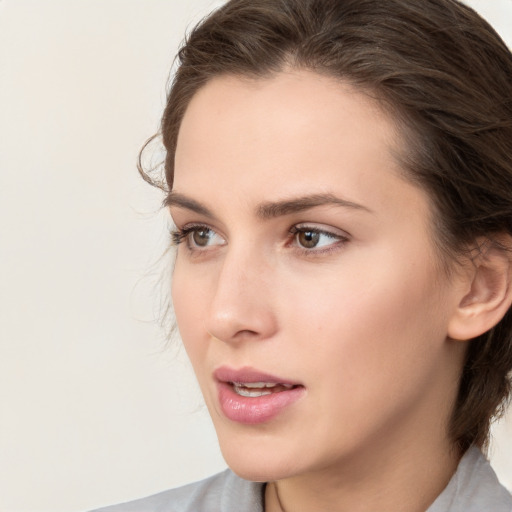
180	235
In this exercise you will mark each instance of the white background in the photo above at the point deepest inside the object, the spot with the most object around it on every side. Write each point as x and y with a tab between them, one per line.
95	408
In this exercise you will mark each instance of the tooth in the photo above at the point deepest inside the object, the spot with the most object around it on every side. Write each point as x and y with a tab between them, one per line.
250	393
255	385
258	385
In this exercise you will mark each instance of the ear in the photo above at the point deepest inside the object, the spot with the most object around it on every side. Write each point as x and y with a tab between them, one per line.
488	279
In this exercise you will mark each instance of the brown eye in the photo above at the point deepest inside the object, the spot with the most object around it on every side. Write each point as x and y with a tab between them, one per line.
201	237
308	239
316	240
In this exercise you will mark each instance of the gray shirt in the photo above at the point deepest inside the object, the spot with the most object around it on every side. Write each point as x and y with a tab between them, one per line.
473	488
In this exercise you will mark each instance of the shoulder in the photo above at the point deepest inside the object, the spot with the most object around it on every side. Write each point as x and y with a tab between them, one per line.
473	488
224	492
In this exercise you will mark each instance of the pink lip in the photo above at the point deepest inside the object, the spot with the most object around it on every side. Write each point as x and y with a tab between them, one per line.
253	410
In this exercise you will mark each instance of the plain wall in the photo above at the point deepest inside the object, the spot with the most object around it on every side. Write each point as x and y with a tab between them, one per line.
94	409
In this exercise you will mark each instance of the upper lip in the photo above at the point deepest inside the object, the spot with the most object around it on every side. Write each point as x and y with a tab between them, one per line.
248	374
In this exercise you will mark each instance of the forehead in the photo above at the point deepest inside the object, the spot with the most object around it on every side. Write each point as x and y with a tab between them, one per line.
278	110
294	133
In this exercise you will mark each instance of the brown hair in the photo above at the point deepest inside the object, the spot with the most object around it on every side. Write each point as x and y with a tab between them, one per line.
445	75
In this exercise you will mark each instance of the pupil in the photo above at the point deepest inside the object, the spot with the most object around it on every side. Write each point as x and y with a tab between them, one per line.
201	237
309	239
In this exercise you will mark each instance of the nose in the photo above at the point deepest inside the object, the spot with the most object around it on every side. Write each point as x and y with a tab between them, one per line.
243	301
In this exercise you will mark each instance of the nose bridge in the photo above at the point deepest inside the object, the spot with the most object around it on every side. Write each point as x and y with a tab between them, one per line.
242	303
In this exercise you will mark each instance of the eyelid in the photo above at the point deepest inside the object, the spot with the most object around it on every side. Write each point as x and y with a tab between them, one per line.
320	228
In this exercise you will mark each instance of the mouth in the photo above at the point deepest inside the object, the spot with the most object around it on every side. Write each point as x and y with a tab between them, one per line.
255	389
251	397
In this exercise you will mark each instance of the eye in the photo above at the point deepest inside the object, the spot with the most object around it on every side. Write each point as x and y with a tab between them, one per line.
308	237
197	237
202	237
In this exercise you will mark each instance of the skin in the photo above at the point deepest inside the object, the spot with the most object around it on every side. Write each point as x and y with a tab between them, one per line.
361	320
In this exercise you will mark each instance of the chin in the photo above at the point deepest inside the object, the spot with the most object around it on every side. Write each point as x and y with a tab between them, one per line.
259	470
258	459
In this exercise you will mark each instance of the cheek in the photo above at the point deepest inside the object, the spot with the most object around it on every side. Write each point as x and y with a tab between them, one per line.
370	346
373	318
189	304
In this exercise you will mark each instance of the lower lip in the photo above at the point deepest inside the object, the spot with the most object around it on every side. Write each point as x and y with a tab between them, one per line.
254	410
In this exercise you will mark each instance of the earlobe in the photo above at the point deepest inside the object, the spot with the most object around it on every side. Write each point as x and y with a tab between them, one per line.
490	292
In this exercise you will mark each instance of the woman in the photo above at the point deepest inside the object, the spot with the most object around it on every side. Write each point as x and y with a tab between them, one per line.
340	176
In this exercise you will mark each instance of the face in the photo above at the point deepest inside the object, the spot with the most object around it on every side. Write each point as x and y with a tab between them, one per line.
306	287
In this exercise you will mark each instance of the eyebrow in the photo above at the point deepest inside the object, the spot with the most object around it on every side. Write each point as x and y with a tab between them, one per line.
182	201
279	208
270	209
